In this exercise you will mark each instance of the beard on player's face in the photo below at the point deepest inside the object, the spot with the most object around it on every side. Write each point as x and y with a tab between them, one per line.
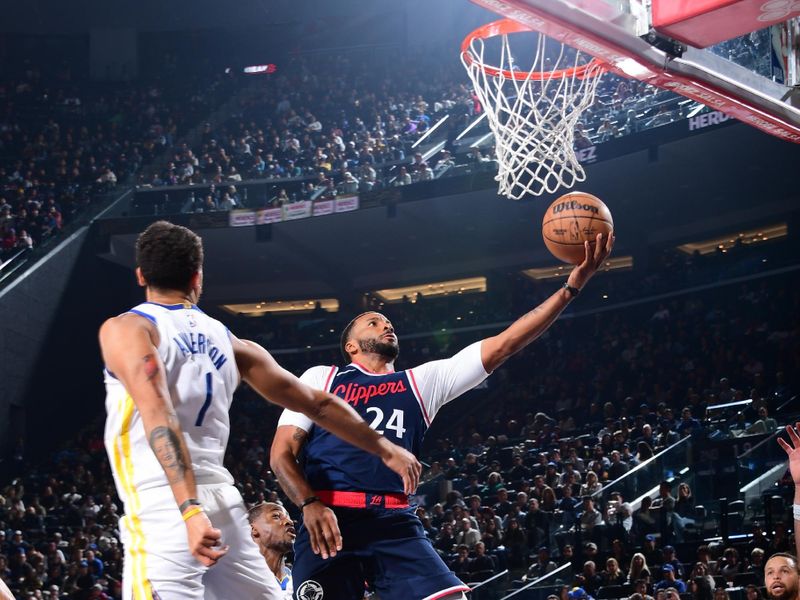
388	350
783	593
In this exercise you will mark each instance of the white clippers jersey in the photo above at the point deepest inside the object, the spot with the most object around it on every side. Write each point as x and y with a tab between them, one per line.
201	376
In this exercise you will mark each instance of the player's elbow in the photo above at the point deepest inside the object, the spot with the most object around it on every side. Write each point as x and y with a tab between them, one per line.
495	351
277	460
318	410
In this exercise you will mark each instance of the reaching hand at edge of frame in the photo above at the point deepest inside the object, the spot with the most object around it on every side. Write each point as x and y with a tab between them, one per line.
5	593
793	451
593	260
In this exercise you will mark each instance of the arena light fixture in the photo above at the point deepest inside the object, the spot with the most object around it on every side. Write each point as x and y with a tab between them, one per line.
282	307
724	243
432	290
560	271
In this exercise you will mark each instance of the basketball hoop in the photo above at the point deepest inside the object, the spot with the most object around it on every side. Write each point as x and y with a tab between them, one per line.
532	113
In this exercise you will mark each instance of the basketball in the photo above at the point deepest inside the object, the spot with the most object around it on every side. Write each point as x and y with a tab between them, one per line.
572	219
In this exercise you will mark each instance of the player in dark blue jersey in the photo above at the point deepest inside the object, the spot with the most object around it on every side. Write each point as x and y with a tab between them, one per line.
357	522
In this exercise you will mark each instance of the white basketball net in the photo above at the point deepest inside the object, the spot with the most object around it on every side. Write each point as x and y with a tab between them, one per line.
533	119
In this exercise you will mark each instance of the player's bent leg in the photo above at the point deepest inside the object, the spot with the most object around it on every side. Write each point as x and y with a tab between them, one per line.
341	579
242	572
157	562
338	578
408	567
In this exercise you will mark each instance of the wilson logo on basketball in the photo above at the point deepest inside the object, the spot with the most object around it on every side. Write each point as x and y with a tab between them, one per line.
574	205
355	393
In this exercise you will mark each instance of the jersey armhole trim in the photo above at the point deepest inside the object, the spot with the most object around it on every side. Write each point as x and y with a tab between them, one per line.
328	380
418	396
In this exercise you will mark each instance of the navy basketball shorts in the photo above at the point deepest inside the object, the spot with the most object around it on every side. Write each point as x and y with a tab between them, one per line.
386	546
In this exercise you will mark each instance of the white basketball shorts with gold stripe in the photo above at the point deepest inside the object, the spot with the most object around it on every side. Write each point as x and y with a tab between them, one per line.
158	565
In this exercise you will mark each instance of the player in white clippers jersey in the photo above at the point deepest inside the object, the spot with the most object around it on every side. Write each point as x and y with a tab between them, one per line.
170	376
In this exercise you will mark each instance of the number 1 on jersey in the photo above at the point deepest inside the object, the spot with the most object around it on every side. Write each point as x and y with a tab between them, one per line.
202	414
395	422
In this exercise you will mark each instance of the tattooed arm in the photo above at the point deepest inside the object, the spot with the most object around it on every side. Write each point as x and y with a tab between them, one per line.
129	346
320	521
262	373
496	350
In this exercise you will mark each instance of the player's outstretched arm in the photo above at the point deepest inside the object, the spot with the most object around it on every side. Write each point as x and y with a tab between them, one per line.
793	451
129	345
276	384
320	521
5	593
496	350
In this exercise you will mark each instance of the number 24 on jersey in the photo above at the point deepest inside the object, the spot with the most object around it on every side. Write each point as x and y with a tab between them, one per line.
395	422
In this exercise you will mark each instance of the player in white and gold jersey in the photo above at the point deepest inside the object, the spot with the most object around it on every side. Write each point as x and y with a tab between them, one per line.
170	376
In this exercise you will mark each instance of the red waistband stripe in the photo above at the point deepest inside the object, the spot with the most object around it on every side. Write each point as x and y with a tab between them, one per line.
362	499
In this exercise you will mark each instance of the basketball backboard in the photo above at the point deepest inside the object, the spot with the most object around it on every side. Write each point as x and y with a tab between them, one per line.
623	34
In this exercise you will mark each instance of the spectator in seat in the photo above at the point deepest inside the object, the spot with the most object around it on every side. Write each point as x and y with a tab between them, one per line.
612	575
607	130
445	541
516	543
617	468
590	517
467	536
756	564
227	203
568	506
669	580
482	563
700	569
688	424
751	592
349	184
461	564
701	589
653	555
638	569
592	484
542	565
722	594
764	424
640	587
492	536
588	579
731	565
503	505
425	173
403	177
669	558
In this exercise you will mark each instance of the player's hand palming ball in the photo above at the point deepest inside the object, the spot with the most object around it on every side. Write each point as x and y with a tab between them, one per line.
570	221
